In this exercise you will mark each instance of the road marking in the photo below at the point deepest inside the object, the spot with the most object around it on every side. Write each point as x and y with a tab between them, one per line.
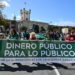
56	70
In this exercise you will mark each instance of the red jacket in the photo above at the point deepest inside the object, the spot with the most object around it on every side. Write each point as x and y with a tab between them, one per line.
70	38
33	37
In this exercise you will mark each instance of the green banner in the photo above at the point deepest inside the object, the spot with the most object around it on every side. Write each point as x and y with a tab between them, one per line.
25	49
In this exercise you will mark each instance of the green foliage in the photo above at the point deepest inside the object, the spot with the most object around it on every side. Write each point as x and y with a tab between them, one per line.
4	22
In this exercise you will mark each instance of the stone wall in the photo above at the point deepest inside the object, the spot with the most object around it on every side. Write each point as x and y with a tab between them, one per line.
29	24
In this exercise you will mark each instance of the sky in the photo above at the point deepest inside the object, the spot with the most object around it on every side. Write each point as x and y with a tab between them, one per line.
61	12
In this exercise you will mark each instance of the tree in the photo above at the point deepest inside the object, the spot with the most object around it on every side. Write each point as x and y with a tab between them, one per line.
4	22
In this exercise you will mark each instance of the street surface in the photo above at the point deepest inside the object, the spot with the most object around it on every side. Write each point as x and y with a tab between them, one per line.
37	69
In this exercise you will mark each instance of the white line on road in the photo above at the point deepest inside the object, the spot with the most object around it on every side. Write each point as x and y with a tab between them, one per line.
56	70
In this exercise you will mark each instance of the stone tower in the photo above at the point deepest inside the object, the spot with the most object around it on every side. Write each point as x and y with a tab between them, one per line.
25	14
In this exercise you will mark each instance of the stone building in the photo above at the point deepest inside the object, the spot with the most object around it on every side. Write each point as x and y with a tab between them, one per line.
25	21
31	24
25	14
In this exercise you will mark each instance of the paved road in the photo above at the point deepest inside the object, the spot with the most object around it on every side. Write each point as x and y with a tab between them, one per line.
46	72
49	69
69	71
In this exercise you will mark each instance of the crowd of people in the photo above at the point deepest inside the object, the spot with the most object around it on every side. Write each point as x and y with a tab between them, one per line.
70	36
51	35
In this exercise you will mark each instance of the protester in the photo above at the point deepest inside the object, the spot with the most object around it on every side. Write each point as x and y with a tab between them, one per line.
70	37
13	34
21	33
32	36
26	35
62	37
2	36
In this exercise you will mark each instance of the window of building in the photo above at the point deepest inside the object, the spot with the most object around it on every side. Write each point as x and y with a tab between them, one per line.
26	19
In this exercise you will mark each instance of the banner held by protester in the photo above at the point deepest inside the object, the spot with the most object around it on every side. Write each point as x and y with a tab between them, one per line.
36	51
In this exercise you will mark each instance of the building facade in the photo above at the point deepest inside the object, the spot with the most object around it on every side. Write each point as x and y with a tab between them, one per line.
25	14
33	25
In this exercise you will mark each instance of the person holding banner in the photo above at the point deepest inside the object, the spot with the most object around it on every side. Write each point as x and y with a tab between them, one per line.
26	35
70	36
13	34
32	36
